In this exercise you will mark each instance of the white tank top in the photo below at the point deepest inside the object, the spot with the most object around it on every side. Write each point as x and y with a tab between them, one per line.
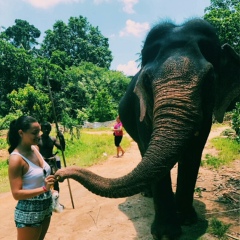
35	175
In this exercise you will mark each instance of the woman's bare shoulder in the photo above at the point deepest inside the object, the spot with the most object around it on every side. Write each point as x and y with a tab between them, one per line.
15	160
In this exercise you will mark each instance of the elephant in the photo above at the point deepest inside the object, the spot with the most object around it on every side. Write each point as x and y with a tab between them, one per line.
187	78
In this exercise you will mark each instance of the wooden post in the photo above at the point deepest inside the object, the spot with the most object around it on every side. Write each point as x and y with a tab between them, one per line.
55	118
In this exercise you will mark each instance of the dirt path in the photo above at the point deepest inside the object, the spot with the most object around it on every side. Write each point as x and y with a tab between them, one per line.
129	218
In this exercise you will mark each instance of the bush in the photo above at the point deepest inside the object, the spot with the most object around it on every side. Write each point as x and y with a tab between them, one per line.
5	121
218	228
236	120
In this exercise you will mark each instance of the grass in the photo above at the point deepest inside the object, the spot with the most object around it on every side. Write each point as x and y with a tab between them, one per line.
218	228
94	146
228	151
3	143
218	125
91	148
4	183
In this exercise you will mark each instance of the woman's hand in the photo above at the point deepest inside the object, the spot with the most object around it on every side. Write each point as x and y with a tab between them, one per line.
49	181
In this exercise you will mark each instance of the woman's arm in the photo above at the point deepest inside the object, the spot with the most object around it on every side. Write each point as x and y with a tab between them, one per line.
16	169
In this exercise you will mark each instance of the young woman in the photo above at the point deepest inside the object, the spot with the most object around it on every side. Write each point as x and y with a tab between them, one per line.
30	179
118	135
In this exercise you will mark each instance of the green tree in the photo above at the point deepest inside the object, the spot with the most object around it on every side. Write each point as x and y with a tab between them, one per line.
83	83
79	41
22	34
19	68
74	88
102	107
224	15
15	69
31	102
6	120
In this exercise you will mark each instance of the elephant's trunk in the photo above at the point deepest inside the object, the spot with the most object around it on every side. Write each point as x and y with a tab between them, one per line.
175	120
159	158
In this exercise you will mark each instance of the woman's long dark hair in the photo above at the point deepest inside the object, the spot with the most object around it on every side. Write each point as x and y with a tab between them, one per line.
22	123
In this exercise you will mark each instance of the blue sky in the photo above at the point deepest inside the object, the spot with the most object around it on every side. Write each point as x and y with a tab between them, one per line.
124	22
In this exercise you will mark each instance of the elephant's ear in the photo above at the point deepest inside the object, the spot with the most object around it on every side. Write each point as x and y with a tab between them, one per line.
139	90
228	81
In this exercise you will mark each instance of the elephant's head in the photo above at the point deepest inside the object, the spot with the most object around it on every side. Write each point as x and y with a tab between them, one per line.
185	76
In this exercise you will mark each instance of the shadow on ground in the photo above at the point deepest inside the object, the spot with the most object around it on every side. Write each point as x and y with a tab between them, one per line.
140	211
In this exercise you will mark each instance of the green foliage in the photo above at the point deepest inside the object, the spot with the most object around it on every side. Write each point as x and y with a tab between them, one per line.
236	121
198	191
15	69
75	77
68	122
75	42
31	102
22	34
4	183
228	132
61	59
82	116
5	121
212	161
228	151
96	90
3	143
102	107
218	228
224	15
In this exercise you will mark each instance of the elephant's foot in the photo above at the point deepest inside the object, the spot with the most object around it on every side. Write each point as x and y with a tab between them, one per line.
166	232
164	237
187	218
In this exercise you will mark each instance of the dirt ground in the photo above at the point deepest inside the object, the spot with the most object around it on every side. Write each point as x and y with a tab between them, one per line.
130	218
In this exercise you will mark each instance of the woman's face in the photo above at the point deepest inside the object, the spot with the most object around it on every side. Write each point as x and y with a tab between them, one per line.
32	135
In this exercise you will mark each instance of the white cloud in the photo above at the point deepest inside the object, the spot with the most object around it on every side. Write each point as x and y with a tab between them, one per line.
100	1
112	36
128	5
130	69
49	3
134	28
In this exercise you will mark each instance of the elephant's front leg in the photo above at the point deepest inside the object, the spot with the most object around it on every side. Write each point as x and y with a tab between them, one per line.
187	175
165	223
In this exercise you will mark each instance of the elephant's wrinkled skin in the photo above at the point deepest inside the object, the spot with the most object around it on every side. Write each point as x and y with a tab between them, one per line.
185	78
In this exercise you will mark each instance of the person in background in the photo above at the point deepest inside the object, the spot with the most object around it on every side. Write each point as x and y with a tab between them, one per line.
46	145
30	179
118	135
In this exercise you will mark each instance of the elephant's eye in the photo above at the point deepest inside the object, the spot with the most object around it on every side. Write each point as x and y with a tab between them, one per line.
147	80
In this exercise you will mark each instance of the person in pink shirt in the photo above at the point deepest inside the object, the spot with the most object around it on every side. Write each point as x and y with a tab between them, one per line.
118	135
